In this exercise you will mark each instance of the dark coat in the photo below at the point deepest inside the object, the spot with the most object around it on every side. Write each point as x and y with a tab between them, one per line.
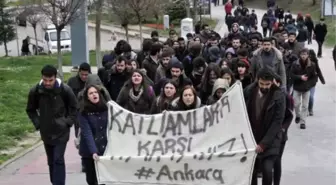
57	109
297	71
142	106
114	81
150	66
76	84
93	133
270	132
320	32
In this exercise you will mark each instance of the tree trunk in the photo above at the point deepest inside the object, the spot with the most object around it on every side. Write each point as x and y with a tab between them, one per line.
157	22
314	2
59	55
195	10
36	43
187	5
17	40
98	35
140	27
126	33
5	45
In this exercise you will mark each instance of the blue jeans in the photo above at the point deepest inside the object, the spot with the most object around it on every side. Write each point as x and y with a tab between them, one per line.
311	99
55	156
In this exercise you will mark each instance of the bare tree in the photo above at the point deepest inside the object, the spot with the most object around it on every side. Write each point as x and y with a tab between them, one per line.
121	9
141	9
61	13
187	5
34	16
157	10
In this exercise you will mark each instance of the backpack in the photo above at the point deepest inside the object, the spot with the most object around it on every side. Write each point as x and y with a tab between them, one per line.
63	94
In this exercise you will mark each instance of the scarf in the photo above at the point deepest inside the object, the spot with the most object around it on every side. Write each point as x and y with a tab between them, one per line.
134	97
89	107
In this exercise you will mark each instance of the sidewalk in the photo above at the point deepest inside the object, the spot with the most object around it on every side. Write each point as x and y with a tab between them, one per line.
316	142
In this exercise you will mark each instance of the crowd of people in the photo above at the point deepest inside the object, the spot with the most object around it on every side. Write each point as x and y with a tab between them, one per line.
278	75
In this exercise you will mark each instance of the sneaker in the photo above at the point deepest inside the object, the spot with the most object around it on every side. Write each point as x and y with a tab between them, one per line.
302	126
311	113
297	120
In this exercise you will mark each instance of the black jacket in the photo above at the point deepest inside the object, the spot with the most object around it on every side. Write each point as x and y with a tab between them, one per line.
320	32
297	71
272	119
52	111
114	81
76	84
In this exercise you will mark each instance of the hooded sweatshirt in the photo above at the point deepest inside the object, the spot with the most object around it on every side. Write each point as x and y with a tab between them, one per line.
219	84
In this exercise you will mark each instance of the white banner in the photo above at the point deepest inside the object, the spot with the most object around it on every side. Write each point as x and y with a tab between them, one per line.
209	145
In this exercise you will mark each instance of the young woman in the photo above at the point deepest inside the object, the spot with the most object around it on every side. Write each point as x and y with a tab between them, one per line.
93	124
137	95
219	88
168	94
211	74
319	76
224	63
227	74
188	100
131	65
243	75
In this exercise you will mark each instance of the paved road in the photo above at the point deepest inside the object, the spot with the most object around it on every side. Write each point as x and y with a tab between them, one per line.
28	31
309	156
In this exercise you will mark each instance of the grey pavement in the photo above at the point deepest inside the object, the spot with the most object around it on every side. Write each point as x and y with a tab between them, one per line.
309	157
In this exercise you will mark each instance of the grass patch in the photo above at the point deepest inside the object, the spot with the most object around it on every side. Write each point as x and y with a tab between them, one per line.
17	76
304	7
4	158
67	58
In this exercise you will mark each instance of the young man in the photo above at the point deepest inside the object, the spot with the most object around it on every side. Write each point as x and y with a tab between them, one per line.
303	73
52	107
266	110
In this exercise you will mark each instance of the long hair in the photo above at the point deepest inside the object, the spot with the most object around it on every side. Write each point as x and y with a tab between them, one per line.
205	79
129	84
181	104
162	100
86	102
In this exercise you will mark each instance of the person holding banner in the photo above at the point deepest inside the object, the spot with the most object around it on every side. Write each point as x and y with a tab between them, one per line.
266	110
93	120
137	95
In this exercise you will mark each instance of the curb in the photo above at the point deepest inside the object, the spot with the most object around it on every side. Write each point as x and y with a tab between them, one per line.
21	154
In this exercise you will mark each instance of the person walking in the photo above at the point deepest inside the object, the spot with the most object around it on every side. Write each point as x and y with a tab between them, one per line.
320	32
52	107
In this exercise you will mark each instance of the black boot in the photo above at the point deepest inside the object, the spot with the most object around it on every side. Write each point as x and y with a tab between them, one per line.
297	120
302	126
